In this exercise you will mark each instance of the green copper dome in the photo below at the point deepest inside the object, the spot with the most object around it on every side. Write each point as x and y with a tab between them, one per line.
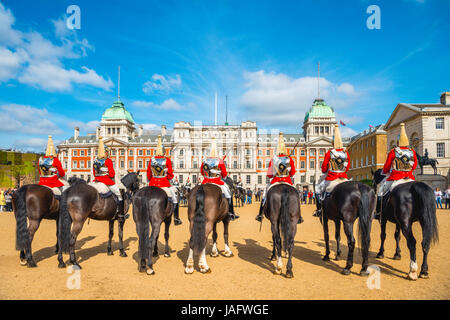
117	111
319	109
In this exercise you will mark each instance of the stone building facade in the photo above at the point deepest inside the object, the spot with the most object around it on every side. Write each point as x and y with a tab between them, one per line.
246	149
367	152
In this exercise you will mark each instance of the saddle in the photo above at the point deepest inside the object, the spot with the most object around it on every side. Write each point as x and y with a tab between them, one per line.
102	189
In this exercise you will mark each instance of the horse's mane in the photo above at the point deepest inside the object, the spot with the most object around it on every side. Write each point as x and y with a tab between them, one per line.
129	179
74	180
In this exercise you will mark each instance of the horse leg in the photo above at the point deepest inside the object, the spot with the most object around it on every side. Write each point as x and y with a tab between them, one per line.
121	223
202	264
326	238
380	254
228	252
76	229
57	232
23	260
111	234
348	229
277	241
337	235
214	251
190	260
274	253
32	228
153	243
290	247
166	236
397	255
411	242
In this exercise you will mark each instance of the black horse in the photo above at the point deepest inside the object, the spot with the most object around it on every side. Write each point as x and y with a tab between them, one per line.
32	203
407	203
348	201
82	201
151	205
423	161
282	208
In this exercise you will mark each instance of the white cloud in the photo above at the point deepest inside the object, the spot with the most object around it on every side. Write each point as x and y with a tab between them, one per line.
26	119
347	132
169	104
31	143
276	99
87	127
161	83
35	60
150	126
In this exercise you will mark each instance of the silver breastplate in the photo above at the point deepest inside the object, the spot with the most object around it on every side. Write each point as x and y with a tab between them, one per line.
158	167
338	161
404	160
211	167
281	166
46	167
100	167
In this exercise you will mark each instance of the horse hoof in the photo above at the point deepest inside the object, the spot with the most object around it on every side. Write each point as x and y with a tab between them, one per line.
289	274
380	256
397	257
412	276
31	264
205	270
214	254
142	269
337	258
189	270
150	272
345	272
229	254
155	254
272	258
364	273
110	253
167	255
123	254
61	265
424	275
23	262
326	258
76	266
277	271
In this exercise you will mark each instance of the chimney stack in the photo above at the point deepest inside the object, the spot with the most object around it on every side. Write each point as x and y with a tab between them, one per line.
76	133
97	132
140	130
445	98
163	130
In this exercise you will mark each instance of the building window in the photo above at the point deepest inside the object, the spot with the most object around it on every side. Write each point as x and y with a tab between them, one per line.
130	164
322	152
303	179
181	178
122	152
140	164
65	164
248	152
268	152
327	130
181	152
312	164
259	179
316	130
248	179
141	152
181	164
302	164
267	163
235	165
259	152
302	152
195	164
109	130
267	180
88	164
373	160
439	123
148	152
131	152
74	164
194	178
118	130
440	150
75	153
82	153
248	164
311	179
259	165
312	152
122	164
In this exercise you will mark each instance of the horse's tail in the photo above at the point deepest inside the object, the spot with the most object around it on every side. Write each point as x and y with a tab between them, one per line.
365	210
65	223
20	205
140	211
425	208
284	217
198	232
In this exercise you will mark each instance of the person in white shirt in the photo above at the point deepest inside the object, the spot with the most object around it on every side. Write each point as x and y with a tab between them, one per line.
438	194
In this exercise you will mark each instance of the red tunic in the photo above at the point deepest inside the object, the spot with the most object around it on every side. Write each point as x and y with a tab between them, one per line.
217	180
334	175
53	181
160	182
281	179
108	179
397	175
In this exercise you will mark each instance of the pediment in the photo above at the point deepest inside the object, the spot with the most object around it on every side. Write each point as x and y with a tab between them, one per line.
401	113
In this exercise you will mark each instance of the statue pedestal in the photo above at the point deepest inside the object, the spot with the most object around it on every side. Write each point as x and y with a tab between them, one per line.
433	180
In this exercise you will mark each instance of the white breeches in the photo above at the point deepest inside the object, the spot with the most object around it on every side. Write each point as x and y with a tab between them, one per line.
328	185
385	186
171	193
115	189
268	186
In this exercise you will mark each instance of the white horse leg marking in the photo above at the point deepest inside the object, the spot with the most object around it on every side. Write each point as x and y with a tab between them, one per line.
190	263
202	262
413	270
214	252
228	252
279	265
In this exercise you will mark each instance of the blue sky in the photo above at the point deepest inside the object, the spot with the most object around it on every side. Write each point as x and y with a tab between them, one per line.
175	54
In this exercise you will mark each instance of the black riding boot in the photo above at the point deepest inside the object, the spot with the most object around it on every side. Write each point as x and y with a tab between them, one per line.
176	215
378	208
120	211
318	212
259	217
233	216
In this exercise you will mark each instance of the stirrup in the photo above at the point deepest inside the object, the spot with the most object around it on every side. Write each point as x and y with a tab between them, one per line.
259	218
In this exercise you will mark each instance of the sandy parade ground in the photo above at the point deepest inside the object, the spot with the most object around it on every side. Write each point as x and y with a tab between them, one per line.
246	275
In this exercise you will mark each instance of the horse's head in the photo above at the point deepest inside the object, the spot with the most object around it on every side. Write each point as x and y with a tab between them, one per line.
131	181
378	176
230	184
74	180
